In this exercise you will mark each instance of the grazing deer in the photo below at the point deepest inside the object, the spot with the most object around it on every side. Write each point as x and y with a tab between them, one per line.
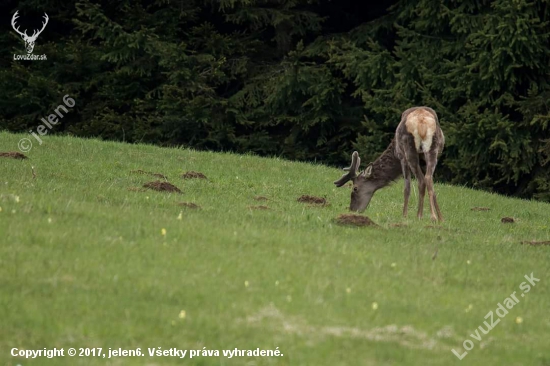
417	134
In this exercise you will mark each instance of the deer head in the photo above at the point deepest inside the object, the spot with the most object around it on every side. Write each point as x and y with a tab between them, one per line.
29	40
363	186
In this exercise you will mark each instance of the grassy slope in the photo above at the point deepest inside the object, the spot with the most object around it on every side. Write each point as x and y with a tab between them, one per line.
100	274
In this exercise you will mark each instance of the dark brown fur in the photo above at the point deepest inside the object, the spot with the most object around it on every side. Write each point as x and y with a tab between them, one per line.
387	167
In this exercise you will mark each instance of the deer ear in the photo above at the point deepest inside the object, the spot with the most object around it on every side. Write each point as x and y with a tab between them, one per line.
368	171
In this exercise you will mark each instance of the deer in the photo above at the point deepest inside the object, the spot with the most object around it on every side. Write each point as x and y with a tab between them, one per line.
418	134
29	40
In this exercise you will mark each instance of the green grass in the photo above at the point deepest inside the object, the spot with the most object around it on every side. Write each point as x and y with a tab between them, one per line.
83	263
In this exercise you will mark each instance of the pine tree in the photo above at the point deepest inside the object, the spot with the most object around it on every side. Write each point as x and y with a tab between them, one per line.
302	79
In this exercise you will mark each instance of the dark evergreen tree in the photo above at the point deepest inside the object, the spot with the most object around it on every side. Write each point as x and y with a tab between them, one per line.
305	79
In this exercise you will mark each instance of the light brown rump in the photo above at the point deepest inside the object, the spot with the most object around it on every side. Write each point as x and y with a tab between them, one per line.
422	125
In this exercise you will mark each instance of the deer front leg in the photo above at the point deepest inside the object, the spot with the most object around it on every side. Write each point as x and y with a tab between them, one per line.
407	188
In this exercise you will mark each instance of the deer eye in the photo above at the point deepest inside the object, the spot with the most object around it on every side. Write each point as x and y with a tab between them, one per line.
355	189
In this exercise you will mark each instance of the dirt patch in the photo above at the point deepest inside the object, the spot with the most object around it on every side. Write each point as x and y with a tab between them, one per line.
193	175
13	155
507	220
480	208
158	175
189	205
312	199
536	243
263	208
356	220
398	225
261	198
162	186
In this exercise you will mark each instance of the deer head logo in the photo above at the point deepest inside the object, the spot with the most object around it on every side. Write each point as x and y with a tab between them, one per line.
29	40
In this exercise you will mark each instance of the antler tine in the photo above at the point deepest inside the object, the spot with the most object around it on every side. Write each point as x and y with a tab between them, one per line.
15	28
352	170
43	25
14	18
47	18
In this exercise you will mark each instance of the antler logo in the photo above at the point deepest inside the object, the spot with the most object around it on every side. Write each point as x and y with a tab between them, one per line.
29	40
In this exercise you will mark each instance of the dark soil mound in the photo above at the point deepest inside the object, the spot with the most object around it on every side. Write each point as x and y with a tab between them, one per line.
507	220
162	186
261	198
193	175
13	155
312	199
356	220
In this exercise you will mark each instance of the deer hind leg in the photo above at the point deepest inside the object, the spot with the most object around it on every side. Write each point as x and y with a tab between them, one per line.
414	164
407	188
431	162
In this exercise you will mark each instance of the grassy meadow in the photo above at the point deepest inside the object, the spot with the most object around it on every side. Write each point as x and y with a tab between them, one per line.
89	258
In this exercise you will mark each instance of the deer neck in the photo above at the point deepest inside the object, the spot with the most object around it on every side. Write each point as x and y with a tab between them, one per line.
387	167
